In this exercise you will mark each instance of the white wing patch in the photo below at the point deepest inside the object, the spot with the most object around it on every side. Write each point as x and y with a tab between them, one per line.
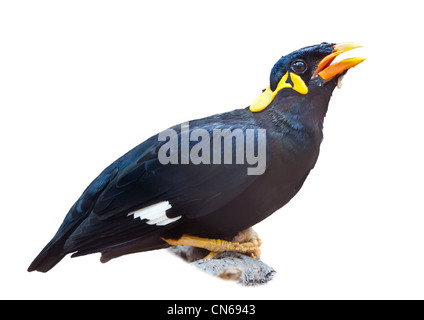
155	214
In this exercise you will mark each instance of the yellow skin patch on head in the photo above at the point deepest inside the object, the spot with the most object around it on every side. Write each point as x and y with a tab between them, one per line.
298	84
268	95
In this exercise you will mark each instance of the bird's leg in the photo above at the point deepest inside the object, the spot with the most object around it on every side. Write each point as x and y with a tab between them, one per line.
246	242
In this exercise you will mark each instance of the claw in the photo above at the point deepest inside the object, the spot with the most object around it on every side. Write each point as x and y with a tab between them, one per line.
246	242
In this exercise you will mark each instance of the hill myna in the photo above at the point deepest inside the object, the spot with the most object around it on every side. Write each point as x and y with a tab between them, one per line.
204	183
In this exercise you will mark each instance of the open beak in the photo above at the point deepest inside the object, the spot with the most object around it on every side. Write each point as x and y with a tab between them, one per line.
327	71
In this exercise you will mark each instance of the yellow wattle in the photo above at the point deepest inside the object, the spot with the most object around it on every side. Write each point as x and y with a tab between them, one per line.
266	97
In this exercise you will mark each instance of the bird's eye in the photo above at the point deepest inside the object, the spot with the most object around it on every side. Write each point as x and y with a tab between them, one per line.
299	66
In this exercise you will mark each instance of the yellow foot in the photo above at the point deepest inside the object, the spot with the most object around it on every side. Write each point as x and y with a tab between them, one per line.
246	242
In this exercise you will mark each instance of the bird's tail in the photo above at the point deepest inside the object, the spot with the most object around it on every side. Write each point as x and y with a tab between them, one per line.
54	251
50	255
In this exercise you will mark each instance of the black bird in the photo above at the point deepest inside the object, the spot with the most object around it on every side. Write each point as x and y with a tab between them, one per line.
188	186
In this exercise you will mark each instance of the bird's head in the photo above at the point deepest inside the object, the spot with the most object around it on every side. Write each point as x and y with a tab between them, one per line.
301	71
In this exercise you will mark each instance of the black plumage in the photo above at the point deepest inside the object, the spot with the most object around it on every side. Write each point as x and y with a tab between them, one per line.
212	200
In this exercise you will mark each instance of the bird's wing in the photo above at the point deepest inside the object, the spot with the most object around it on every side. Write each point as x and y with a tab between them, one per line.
140	182
191	189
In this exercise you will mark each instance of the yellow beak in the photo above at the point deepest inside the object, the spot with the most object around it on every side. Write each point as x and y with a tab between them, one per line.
327	71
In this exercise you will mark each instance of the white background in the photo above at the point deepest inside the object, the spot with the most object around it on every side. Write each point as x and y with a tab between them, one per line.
82	82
